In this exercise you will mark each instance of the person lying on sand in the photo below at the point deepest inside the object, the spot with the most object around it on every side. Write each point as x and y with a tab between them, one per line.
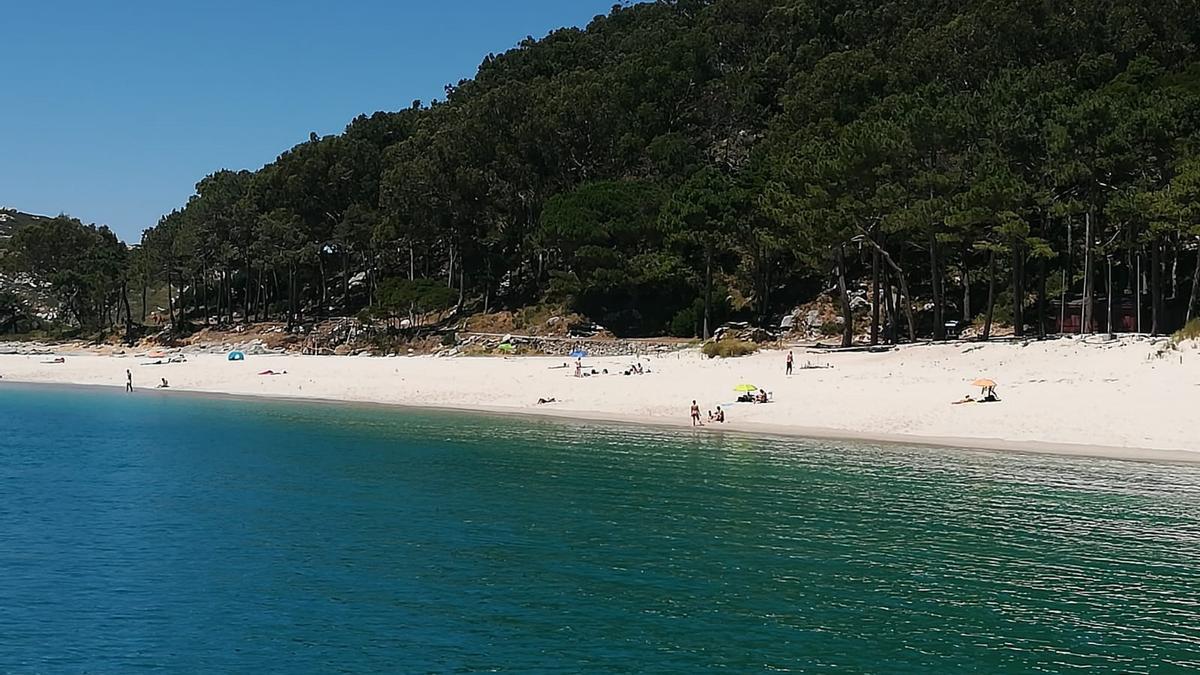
965	399
271	372
544	401
58	360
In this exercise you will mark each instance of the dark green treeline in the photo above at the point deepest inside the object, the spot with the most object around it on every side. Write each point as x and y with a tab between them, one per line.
679	163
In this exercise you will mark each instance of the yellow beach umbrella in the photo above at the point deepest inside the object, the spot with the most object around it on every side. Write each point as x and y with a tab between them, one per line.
983	382
745	387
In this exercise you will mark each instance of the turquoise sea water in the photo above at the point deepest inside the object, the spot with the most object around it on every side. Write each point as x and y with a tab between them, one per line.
199	535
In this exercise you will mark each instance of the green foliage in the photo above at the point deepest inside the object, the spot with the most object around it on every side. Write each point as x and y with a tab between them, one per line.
688	322
15	315
830	328
685	323
84	265
728	348
414	296
671	149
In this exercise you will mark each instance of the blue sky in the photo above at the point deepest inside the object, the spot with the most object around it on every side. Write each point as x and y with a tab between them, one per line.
111	111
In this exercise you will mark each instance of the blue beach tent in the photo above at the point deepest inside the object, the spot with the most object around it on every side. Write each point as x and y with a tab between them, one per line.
237	356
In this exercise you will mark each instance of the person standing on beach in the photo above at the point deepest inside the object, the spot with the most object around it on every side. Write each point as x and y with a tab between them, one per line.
789	363
696	415
128	380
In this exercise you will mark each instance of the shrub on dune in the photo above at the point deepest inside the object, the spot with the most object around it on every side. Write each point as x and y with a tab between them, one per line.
728	348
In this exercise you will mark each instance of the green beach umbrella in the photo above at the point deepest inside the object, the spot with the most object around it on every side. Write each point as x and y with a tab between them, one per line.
506	347
745	387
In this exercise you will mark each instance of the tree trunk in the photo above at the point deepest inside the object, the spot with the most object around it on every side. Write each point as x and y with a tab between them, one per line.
887	258
170	298
345	280
991	296
373	278
707	288
1041	298
1062	302
1174	270
1042	271
1087	311
893	317
324	284
274	294
220	296
1137	295
1195	286
144	293
487	285
250	291
966	310
874	298
246	289
128	314
462	288
291	299
1110	318
1018	308
907	306
1157	320
844	295
935	276
765	309
262	304
541	269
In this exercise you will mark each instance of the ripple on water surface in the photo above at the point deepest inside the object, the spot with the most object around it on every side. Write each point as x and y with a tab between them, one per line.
204	534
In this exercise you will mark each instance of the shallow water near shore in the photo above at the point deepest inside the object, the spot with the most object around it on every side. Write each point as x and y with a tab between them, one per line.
190	533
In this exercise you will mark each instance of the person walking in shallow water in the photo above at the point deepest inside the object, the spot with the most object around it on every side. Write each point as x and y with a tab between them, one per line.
128	380
789	363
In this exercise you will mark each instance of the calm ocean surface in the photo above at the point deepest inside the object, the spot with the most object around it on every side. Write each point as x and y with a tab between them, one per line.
190	534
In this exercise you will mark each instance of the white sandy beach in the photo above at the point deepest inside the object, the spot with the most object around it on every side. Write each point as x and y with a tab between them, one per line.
1061	395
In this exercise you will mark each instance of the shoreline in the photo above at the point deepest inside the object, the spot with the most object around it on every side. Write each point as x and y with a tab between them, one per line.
743	429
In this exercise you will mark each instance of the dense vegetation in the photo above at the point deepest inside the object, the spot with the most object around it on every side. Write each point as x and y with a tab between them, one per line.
680	162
